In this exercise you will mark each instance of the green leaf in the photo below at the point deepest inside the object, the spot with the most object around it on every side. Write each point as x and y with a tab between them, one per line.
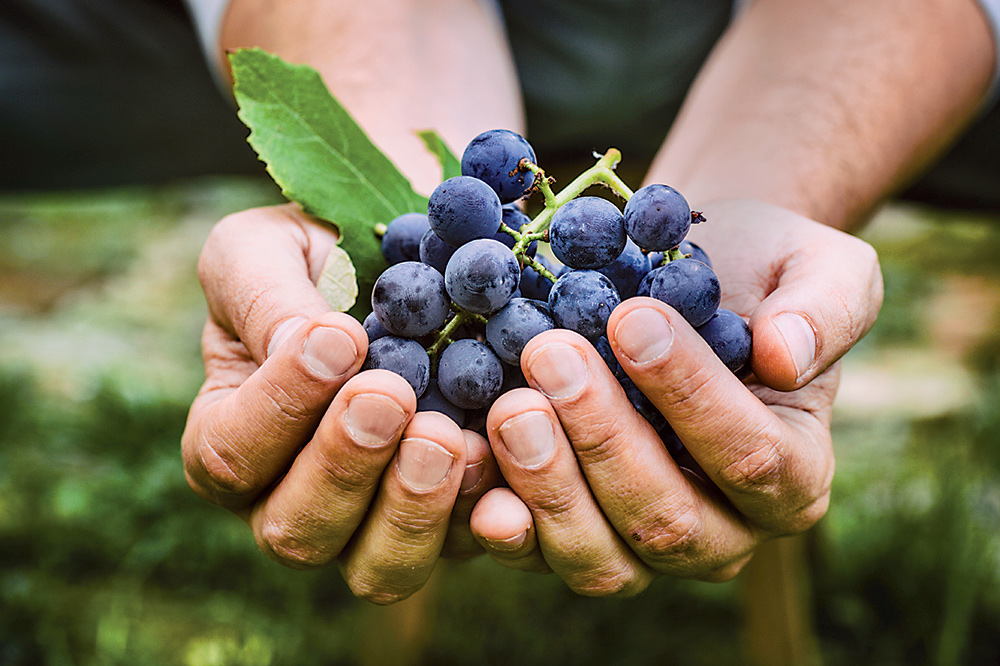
320	157
450	165
337	282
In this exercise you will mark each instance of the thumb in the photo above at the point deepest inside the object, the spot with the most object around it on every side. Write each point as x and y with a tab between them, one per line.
826	299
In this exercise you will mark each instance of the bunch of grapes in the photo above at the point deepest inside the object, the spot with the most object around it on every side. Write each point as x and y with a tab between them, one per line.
465	290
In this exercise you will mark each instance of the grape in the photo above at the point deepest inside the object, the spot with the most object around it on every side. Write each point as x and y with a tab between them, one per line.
534	284
657	217
404	357
410	300
494	156
587	232
687	247
582	301
627	270
729	337
515	219
604	349
482	275
401	241
433	400
373	328
510	328
642	404
513	378
462	209
688	286
647	279
434	251
469	374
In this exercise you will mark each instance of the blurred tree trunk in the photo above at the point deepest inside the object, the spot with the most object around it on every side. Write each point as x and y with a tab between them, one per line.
778	627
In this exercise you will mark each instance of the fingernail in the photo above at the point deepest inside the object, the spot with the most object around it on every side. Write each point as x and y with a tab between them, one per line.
373	419
329	352
508	545
800	339
644	335
472	476
423	464
558	370
529	438
283	332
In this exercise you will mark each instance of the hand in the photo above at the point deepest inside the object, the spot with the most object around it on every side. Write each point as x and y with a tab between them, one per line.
594	495
324	463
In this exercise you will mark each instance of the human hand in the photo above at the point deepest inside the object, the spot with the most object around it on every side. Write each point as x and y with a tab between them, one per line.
594	494
324	463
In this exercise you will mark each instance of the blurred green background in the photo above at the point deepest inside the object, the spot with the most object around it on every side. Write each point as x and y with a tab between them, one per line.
107	558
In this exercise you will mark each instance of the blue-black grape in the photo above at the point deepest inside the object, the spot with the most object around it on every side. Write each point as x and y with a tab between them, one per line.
534	284
374	328
482	276
686	247
462	209
401	241
608	354
433	400
469	374
729	337
434	251
587	232
582	301
642	404
657	217
512	327
627	270
494	157
409	299
688	286
403	356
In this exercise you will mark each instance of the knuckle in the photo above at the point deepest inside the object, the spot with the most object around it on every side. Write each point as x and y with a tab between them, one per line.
283	545
760	471
672	539
291	407
225	472
805	517
621	584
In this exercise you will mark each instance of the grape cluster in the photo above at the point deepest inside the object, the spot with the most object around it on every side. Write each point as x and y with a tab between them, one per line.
465	290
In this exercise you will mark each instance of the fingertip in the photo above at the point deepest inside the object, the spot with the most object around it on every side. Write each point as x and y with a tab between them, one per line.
784	349
502	523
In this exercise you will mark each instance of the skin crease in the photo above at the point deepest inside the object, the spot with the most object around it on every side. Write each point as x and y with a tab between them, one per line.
804	119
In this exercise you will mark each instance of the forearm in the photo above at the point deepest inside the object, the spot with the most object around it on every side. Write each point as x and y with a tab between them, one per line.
399	66
826	107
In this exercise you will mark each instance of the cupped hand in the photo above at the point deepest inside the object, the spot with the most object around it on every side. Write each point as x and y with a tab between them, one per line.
324	463
594	494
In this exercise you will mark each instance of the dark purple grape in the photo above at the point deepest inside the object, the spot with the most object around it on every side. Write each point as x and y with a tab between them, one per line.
401	241
373	328
403	356
462	209
657	217
729	337
409	299
510	328
627	270
433	400
434	251
642	404
494	157
482	276
686	247
469	374
688	286
587	232
604	349
534	284
582	301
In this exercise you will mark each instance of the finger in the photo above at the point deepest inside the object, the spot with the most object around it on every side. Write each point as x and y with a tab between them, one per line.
827	296
308	517
400	541
502	524
243	431
673	524
481	474
258	270
776	471
576	539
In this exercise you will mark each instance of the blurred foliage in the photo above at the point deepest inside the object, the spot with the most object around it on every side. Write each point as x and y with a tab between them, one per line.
107	558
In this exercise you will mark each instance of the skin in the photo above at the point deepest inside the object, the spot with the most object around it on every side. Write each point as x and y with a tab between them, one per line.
803	120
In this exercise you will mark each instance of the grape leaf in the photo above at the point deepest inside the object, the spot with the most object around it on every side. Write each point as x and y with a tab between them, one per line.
337	281
320	157
450	166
